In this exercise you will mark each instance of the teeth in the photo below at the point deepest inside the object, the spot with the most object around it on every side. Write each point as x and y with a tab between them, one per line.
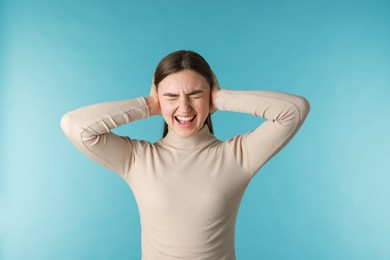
185	118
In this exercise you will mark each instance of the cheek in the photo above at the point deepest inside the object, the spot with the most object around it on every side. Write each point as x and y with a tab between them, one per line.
203	107
167	108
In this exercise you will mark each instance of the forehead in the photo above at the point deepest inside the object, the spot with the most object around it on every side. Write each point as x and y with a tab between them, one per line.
185	80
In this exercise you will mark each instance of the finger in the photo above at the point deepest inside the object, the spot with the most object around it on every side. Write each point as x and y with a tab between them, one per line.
215	81
153	89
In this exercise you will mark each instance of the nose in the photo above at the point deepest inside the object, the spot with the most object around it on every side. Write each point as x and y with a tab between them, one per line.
185	105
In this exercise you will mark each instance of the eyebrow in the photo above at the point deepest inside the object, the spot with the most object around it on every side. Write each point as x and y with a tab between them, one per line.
194	92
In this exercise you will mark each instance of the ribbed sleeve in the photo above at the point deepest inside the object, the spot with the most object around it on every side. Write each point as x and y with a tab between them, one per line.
188	190
89	129
285	113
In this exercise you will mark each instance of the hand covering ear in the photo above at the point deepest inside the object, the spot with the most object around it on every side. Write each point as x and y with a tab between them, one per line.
215	88
215	83
154	103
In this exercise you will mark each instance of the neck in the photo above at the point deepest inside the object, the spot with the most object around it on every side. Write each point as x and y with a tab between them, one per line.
202	137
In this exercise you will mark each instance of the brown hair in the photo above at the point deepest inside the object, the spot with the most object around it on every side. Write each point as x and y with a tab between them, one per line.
182	60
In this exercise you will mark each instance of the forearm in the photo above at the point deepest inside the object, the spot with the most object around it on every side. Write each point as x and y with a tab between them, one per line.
101	118
283	108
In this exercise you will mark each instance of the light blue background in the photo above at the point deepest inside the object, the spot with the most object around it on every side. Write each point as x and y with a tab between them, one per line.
325	196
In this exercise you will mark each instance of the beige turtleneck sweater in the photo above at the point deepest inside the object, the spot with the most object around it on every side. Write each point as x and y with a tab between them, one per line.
188	190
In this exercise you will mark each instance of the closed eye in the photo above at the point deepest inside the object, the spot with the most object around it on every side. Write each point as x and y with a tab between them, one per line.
196	94
196	97
170	96
193	94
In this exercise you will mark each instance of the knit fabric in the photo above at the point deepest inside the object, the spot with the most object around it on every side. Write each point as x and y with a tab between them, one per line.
188	190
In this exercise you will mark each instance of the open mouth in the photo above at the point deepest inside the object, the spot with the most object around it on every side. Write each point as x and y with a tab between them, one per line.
185	120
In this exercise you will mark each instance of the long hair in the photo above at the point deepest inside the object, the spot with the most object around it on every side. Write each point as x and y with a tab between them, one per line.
182	60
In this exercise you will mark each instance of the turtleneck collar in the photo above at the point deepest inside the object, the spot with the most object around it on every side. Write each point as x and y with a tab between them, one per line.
203	136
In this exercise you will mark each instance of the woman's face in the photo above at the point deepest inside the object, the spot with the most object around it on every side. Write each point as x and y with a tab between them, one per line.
184	99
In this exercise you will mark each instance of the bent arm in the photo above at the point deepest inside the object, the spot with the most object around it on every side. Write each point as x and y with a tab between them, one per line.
285	114
89	129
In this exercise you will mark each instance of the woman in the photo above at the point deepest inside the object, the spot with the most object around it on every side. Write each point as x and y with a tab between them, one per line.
188	185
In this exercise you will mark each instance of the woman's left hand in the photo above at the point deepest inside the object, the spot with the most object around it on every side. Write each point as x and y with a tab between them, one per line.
215	89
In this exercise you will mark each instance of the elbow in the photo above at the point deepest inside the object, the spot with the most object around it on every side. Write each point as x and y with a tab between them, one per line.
303	106
67	125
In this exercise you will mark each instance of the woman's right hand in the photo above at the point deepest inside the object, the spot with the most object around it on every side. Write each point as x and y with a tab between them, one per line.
153	101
